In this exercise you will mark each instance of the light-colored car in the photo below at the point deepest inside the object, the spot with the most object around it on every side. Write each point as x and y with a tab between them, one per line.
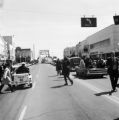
22	79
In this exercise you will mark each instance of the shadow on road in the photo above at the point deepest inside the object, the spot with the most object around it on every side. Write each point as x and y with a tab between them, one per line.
116	119
59	80
61	77
52	76
59	86
21	88
104	93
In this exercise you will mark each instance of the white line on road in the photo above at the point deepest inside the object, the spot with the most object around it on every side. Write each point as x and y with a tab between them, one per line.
22	113
88	85
34	85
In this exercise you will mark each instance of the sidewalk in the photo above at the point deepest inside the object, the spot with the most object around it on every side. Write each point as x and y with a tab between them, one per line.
100	86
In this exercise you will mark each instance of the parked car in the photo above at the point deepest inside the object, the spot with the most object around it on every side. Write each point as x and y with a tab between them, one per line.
91	72
74	61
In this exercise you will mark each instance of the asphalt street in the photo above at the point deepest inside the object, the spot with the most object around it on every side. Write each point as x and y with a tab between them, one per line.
49	99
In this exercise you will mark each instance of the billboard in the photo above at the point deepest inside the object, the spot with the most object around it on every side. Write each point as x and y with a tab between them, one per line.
44	52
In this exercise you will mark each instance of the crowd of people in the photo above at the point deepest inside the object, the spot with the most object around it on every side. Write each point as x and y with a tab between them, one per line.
94	63
85	62
112	65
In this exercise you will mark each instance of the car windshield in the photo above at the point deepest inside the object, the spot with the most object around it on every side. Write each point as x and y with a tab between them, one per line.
74	61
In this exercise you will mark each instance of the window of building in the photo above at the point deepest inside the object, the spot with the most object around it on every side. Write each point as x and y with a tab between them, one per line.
101	44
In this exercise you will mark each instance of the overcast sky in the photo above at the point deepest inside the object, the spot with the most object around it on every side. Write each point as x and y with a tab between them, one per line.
53	24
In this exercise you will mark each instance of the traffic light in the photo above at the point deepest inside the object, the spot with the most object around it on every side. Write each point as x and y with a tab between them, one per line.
88	22
116	19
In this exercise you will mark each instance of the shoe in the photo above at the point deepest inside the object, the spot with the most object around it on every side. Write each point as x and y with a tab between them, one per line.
72	82
110	93
65	84
114	90
12	90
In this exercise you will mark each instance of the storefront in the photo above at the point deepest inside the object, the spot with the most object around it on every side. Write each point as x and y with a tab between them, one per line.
104	42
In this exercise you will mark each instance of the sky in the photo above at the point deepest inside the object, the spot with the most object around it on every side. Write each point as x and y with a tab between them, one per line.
53	24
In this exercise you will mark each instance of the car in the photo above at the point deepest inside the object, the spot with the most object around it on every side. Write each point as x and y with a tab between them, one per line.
74	62
91	72
24	79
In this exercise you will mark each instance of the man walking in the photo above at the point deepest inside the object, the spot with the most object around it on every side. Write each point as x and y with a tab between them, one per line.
58	67
7	78
112	64
66	71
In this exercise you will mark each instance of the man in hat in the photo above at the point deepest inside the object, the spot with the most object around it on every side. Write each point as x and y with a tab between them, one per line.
22	69
112	64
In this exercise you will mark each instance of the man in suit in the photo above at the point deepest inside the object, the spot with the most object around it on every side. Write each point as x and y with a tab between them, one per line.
112	64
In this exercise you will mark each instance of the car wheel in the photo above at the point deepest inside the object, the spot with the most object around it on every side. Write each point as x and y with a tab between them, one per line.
101	76
14	86
30	85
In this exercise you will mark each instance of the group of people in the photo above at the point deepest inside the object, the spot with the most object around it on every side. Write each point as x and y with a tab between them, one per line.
62	68
112	64
91	63
6	75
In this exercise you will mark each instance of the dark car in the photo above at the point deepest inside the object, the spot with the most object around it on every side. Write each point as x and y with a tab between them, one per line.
91	72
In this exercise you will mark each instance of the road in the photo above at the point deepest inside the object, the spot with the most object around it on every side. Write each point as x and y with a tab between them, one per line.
49	99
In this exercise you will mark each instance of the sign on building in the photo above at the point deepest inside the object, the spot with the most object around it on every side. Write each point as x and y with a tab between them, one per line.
44	52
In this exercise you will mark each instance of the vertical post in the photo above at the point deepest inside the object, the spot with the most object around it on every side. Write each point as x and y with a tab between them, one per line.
33	51
20	58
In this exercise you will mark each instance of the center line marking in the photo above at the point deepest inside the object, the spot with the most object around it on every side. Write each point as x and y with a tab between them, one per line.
23	113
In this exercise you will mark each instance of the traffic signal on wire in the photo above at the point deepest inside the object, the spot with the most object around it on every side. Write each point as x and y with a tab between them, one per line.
116	19
88	22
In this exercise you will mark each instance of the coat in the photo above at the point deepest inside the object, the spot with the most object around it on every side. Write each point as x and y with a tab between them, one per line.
65	67
6	77
112	64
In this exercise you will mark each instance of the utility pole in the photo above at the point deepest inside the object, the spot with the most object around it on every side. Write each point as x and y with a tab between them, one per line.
33	51
1	3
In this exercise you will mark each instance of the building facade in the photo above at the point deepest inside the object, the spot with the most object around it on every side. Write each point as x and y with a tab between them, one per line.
10	47
100	43
3	49
23	55
69	52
